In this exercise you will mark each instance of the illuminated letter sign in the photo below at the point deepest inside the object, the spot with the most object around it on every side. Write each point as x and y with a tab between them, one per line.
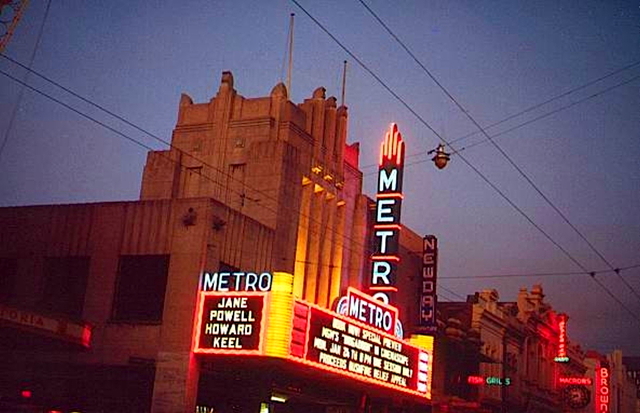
574	380
602	389
236	281
230	323
491	381
562	339
475	380
386	228
331	342
368	310
428	298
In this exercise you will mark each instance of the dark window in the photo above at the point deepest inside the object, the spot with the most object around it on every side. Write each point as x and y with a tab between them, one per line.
142	281
65	284
8	276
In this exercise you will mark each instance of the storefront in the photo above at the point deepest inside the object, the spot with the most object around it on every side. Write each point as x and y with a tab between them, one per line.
262	350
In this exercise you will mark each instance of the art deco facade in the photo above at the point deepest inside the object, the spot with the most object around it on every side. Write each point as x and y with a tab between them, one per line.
100	300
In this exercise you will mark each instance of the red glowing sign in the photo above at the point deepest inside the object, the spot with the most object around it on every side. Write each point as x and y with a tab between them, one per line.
328	341
562	339
475	380
602	389
392	148
364	308
586	381
387	216
491	381
66	330
230	323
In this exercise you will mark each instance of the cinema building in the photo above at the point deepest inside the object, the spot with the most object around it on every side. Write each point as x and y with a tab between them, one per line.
241	281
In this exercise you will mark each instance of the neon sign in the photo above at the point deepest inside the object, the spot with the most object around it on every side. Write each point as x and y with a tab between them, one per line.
329	341
602	389
491	380
428	297
236	281
365	308
575	380
230	323
562	339
387	216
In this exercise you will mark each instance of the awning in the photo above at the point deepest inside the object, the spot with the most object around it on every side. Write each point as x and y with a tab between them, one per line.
52	327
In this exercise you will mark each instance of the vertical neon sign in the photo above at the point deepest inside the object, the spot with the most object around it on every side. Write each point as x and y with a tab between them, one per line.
428	298
562	357
387	217
602	388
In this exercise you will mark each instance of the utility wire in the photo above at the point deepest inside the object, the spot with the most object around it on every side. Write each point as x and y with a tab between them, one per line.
518	126
455	294
112	129
123	135
545	115
425	123
143	145
14	112
544	274
536	106
499	148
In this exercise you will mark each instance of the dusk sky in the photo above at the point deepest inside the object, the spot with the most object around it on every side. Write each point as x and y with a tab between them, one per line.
581	149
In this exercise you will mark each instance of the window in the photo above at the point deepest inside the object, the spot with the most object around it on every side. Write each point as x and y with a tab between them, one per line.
65	284
140	289
8	276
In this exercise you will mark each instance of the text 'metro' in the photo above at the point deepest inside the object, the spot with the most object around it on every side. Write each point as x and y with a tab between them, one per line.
236	281
386	228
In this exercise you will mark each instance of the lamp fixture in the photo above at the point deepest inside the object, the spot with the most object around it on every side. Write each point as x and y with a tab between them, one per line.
441	158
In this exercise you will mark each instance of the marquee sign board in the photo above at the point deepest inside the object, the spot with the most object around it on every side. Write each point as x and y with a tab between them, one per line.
230	323
356	345
330	341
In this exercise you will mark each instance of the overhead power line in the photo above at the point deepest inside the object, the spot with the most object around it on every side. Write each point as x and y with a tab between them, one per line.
546	102
524	175
543	274
553	112
145	146
469	164
14	112
525	123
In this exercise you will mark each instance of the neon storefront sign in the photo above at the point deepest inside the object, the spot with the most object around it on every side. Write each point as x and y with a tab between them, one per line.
562	339
236	281
365	308
602	389
490	381
275	324
386	228
428	297
585	381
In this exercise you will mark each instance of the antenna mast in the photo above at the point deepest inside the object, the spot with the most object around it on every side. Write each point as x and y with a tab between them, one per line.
344	82
290	54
